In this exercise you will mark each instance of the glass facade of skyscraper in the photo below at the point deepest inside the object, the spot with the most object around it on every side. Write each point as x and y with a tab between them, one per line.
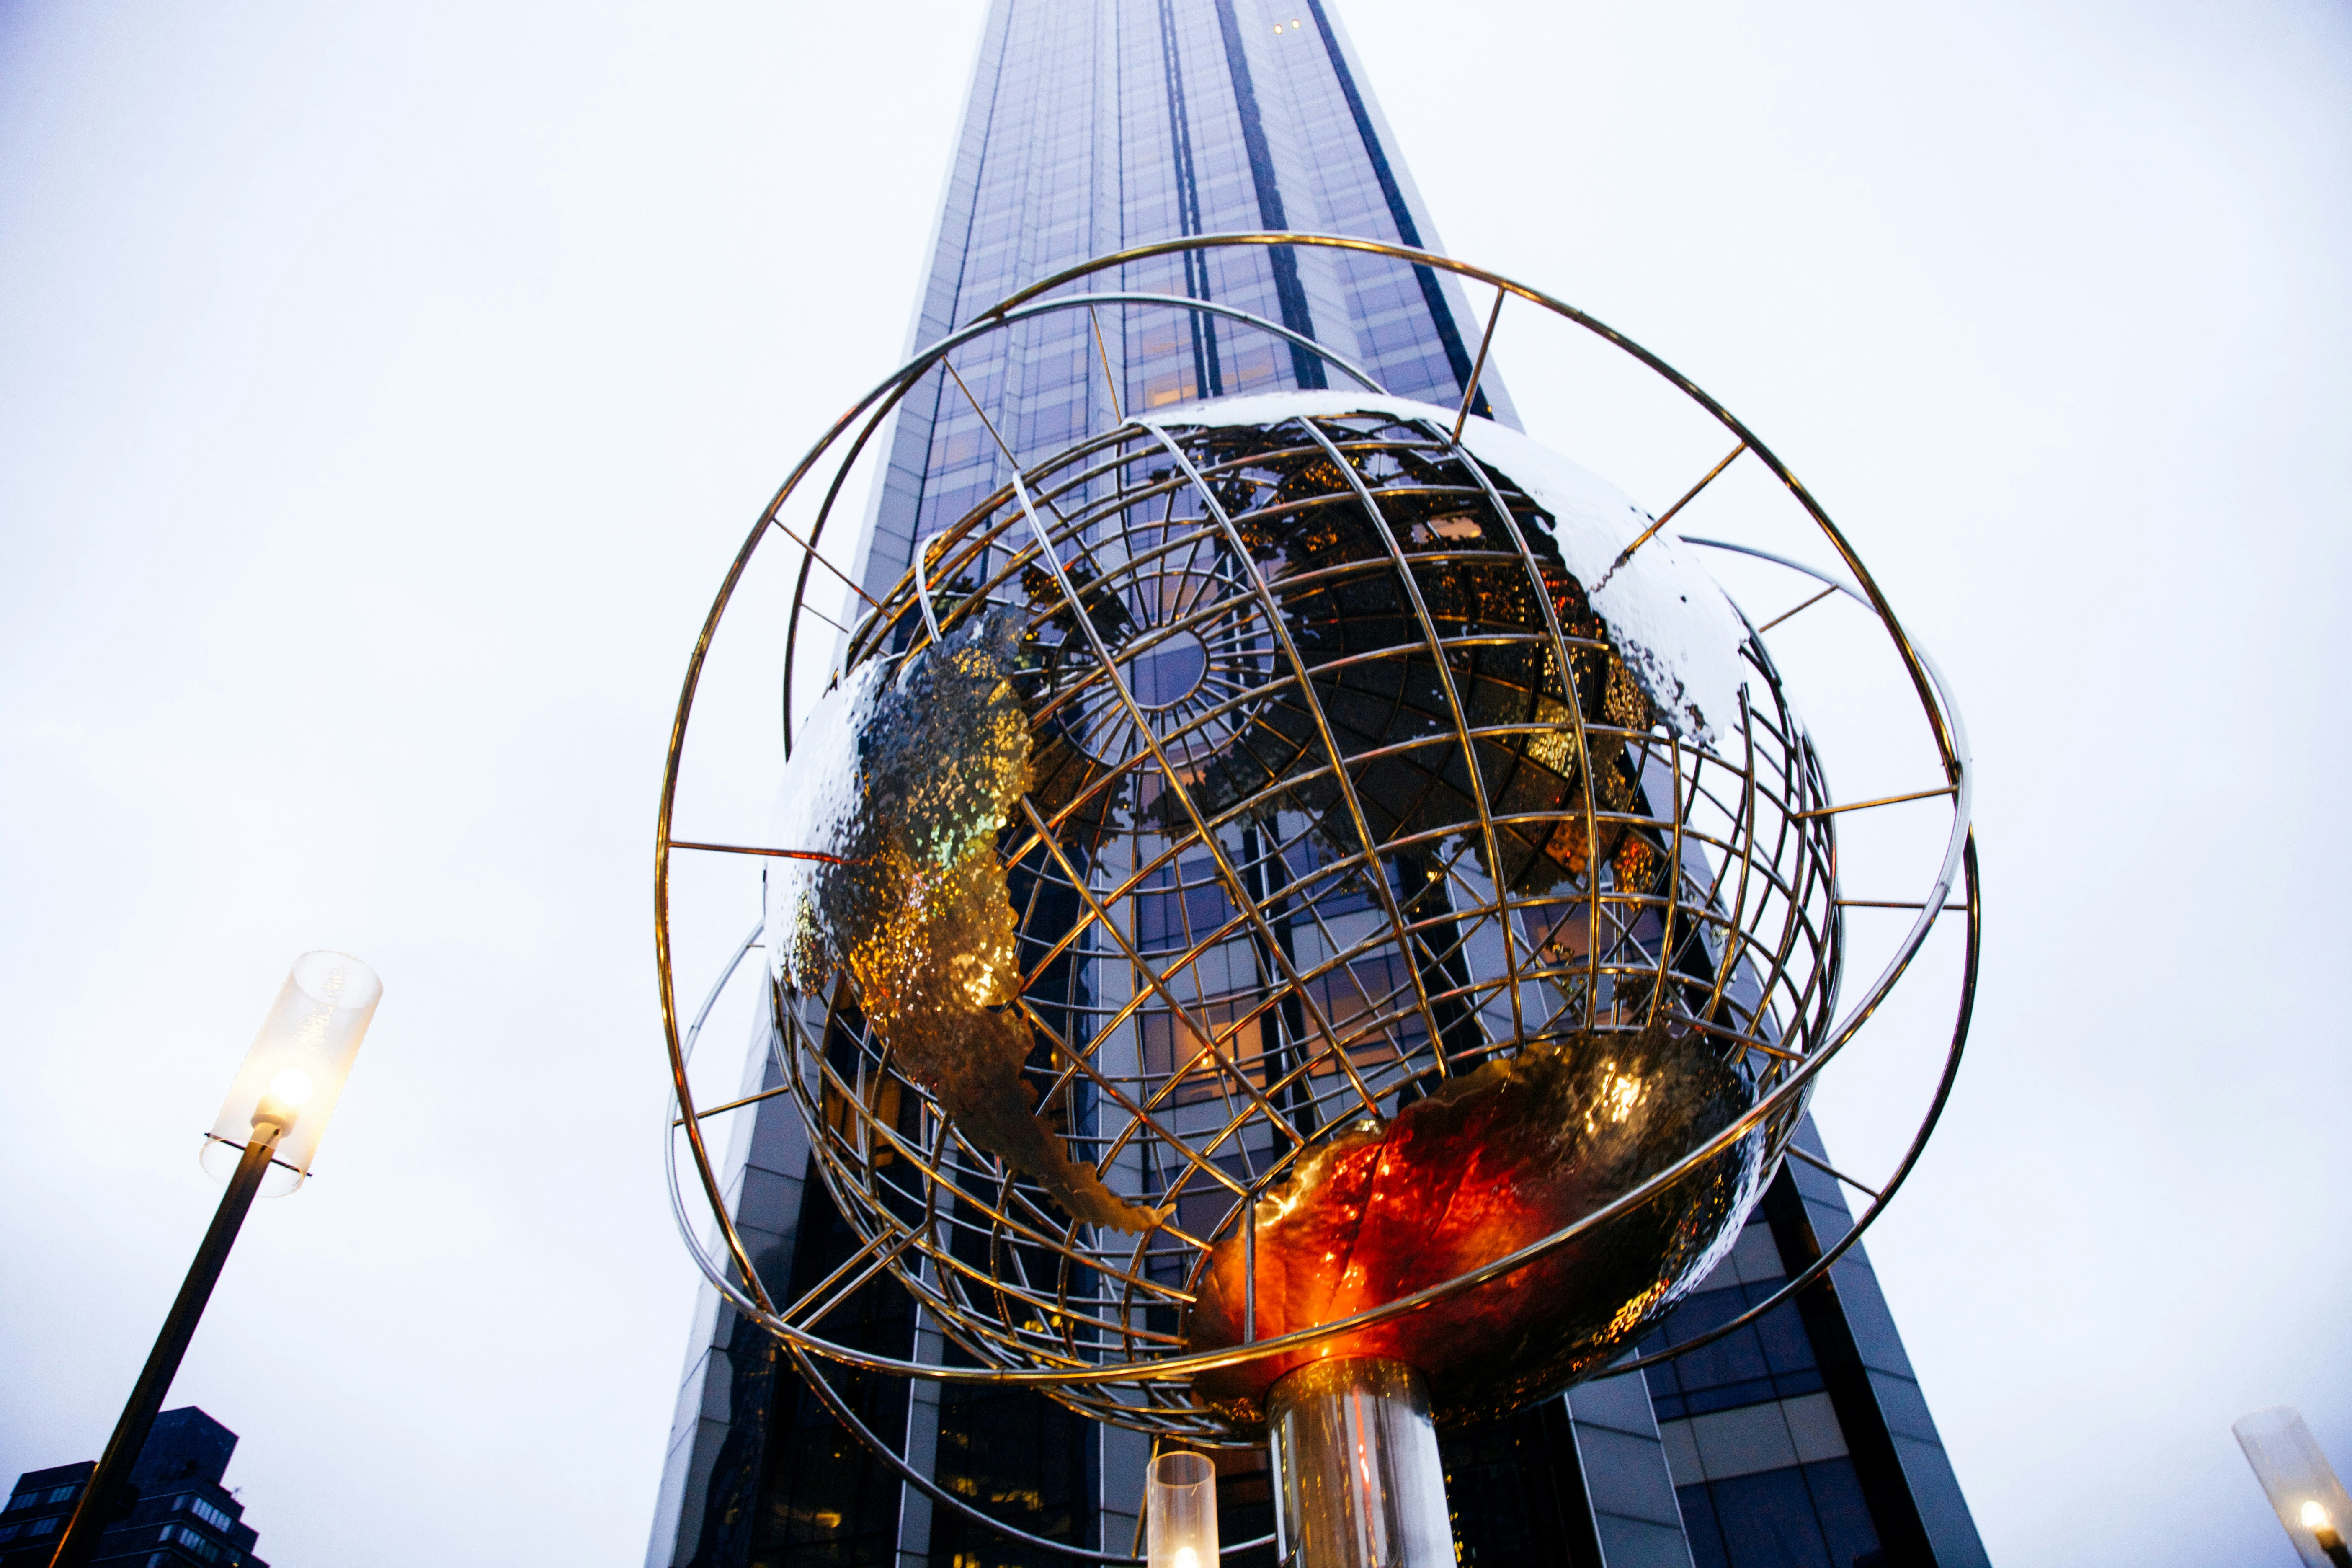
1095	126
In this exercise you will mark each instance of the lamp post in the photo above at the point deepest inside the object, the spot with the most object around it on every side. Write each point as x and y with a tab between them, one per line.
2310	1501
277	1106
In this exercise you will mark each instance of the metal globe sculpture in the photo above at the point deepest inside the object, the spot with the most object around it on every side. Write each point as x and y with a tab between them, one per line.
1287	809
1294	882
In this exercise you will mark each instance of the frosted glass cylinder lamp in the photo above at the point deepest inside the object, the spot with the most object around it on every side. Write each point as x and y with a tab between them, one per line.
1180	1512
2301	1484
295	1071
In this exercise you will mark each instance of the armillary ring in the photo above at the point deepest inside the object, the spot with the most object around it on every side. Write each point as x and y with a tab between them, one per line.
1172	658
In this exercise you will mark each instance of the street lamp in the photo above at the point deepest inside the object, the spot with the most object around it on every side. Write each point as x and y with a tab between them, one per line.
2302	1486
1180	1512
276	1108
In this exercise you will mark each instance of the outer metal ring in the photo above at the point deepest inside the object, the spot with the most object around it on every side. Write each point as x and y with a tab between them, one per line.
733	1277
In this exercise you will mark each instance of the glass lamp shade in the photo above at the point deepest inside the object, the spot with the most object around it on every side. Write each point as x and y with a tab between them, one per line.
1180	1512
2302	1486
298	1062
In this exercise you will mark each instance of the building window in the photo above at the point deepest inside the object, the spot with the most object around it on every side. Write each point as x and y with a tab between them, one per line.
1171	1049
181	1535
1812	1515
1346	891
201	1510
1374	1013
1193	906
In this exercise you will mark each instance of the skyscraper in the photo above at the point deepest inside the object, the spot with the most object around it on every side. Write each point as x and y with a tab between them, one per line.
1094	126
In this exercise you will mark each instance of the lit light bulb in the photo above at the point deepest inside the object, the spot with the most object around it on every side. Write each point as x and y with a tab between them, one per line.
291	1087
1187	1558
2324	1536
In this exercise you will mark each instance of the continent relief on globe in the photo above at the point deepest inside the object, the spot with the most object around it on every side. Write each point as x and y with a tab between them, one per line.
908	783
1487	1164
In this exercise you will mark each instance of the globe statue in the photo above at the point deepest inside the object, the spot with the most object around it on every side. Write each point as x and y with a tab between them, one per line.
1282	860
1304	918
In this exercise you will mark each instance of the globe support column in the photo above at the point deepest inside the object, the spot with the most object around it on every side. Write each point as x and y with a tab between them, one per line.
1358	1482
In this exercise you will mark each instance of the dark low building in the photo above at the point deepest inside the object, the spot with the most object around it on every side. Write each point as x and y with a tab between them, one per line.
175	1512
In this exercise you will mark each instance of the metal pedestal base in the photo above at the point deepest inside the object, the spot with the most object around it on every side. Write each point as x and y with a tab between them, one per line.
1358	1483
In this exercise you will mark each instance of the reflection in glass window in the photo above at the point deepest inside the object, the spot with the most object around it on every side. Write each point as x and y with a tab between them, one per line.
1374	1011
1194	906
1171	1047
1806	1516
1768	1359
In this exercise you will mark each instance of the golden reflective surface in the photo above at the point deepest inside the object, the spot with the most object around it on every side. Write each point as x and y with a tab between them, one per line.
1484	1165
908	782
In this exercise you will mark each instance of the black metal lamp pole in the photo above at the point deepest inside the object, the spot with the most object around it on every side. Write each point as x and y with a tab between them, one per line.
296	1069
94	1509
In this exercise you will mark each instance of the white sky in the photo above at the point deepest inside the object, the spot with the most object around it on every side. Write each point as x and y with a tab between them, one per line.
383	391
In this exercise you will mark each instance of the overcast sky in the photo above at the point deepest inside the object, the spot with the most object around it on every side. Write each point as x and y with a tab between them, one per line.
383	389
